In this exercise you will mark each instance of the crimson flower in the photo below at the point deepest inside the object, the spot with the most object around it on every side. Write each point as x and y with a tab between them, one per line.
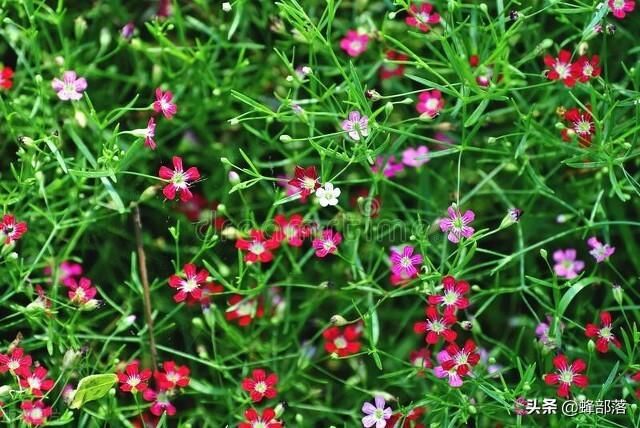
254	420
260	385
560	68
580	124
567	375
258	248
132	379
305	180
35	412
293	230
421	359
390	69
173	376
584	68
16	362
35	382
410	420
452	294
244	309
437	325
343	342
327	244
603	333
11	231
6	76
163	104
189	286
80	292
179	180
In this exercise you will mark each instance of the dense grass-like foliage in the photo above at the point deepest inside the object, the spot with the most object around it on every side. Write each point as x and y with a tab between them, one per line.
319	213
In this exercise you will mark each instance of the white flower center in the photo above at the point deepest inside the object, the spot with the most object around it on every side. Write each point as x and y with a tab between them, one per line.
340	342
450	297
257	248
566	376
36	413
562	69
260	387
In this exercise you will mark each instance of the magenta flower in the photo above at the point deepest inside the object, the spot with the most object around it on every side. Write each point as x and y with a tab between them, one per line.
67	271
163	104
457	224
430	103
456	362
415	157
566	264
70	87
421	16
328	243
600	251
620	8
179	180
389	168
356	125
354	43
404	263
376	415
150	132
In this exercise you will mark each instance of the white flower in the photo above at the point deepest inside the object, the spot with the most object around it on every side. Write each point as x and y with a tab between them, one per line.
328	195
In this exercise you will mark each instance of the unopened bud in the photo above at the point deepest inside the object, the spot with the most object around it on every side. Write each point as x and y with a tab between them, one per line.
618	294
466	325
285	138
234	178
226	7
372	94
338	320
543	253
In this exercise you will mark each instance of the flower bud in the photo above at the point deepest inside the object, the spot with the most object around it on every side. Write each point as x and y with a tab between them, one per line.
338	320
226	7
105	37
618	293
79	27
197	322
388	107
70	358
372	94
234	178
591	346
543	253
466	325
279	409
285	138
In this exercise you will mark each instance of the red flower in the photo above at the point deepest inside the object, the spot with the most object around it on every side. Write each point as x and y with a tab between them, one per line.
567	375
261	385
461	359
474	60
584	68
5	78
254	420
410	421
11	231
190	285
179	180
561	68
421	359
15	363
161	403
603	333
80	292
244	309
306	181
636	378
420	16
173	376
437	325
132	379
35	381
35	412
342	342
581	124
209	289
163	104
292	230
453	294
328	244
390	69
258	248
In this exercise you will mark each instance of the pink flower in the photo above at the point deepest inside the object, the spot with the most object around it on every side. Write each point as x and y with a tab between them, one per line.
457	224
161	403
34	412
163	104
150	132
453	294
567	375
620	8
81	292
420	16
430	103
328	243
404	263
600	251
566	264
376	415
179	180
456	362
354	43
389	167
356	125
561	68
70	87
415	157
67	271
10	231
191	284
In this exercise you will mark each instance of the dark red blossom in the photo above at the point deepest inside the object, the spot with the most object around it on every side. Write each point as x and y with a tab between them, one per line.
244	309
16	362
260	385
560	68
305	180
603	334
293	231
258	248
437	325
10	231
567	375
584	68
192	283
132	379
254	420
35	382
343	342
580	124
35	412
6	76
173	376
